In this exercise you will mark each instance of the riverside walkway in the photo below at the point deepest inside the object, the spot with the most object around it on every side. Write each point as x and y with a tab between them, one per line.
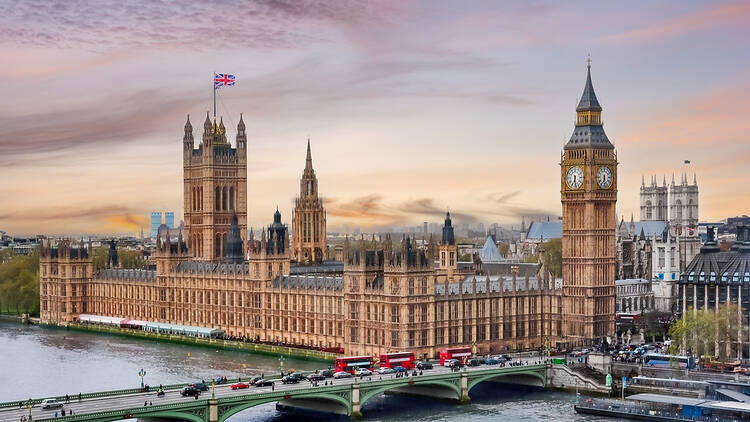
343	396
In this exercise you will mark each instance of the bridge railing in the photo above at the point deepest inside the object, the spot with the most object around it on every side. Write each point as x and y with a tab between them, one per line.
126	391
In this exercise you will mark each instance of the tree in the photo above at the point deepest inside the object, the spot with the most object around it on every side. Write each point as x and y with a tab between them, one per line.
19	283
503	247
655	323
704	332
531	259
553	256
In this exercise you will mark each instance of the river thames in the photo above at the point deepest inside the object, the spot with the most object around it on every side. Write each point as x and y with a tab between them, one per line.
39	362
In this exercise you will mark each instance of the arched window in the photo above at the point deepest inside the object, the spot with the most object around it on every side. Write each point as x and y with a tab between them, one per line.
649	214
217	200
223	244
217	246
231	198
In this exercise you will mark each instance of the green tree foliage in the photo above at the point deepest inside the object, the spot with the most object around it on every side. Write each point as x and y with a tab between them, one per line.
707	332
126	258
19	283
553	256
655	323
531	259
503	247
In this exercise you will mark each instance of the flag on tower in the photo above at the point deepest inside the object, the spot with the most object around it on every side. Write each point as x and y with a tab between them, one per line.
222	80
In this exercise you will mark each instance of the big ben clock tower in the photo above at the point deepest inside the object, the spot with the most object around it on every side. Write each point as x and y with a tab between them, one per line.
588	193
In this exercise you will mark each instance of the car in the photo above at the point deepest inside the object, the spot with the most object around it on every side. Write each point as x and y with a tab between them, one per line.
316	377
290	379
190	391
326	373
453	363
363	372
399	369
342	374
473	362
51	404
385	370
424	365
255	379
200	386
492	361
240	385
263	382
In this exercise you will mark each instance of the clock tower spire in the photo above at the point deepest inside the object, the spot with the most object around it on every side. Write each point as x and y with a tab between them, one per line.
588	192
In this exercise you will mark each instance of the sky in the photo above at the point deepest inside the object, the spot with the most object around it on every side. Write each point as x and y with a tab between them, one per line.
411	107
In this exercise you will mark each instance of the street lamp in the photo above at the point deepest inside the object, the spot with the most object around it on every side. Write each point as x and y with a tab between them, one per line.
30	404
142	373
281	364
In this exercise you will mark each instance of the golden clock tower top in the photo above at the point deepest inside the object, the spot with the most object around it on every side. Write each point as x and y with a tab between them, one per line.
589	132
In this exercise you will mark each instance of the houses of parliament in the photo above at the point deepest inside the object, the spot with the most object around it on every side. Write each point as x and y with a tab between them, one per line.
384	294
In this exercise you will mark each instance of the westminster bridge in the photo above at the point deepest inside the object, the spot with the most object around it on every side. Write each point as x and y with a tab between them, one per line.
343	396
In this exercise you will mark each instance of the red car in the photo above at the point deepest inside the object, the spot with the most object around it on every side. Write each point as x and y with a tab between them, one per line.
240	385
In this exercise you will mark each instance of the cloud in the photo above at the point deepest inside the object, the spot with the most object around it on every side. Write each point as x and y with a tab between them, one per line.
736	13
129	222
70	212
695	121
103	25
501	197
426	207
42	135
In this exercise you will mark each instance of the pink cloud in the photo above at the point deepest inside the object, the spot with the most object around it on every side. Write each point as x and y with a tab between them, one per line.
722	15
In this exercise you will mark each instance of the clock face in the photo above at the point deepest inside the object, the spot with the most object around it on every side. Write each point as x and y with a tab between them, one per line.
574	177
604	177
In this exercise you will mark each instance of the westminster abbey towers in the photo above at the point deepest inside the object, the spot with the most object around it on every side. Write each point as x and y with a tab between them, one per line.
588	193
215	179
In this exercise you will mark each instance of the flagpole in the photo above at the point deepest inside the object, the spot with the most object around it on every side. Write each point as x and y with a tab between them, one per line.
214	95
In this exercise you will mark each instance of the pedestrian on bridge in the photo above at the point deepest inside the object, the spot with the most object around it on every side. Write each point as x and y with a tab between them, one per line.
79	396
20	404
62	411
67	398
55	413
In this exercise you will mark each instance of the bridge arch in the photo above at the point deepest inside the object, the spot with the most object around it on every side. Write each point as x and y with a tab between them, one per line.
536	379
226	411
367	393
170	415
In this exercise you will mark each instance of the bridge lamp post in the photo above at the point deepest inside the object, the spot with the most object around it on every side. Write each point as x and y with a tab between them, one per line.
30	405
142	373
281	364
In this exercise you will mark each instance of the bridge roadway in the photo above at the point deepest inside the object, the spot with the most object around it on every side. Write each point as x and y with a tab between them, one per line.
346	394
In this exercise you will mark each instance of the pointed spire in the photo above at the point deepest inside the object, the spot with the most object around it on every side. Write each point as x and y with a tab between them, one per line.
672	179
664	181
695	180
588	101
188	126
207	123
308	159
241	124
643	181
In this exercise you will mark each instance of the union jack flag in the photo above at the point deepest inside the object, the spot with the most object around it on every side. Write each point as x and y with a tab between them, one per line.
223	79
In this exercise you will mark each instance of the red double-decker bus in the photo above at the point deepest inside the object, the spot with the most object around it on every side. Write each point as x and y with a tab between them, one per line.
392	360
352	363
461	353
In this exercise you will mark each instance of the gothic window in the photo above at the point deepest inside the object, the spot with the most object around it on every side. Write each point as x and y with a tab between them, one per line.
411	287
217	246
224	199
424	285
231	198
394	313
217	200
649	214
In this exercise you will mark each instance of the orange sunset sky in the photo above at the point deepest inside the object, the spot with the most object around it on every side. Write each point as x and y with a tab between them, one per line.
412	107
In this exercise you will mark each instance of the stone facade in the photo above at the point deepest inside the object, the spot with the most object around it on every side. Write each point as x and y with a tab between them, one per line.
215	188
309	219
589	193
634	296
